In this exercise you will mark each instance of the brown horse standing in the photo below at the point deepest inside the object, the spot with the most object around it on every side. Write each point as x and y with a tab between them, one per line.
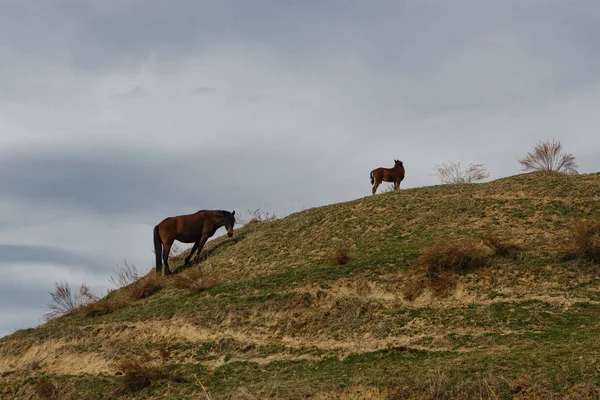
193	228
395	175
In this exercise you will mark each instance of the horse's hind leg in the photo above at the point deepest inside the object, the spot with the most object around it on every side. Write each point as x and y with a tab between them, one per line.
188	258
166	251
375	186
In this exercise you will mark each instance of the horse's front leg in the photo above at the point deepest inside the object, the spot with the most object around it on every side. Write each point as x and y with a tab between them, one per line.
189	257
203	239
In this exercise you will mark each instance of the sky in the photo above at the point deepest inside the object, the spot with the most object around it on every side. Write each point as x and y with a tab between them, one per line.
115	114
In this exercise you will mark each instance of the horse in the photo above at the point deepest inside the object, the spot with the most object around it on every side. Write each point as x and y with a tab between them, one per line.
192	228
395	174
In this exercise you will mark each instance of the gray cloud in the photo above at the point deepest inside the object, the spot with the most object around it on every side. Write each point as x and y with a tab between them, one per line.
18	254
116	181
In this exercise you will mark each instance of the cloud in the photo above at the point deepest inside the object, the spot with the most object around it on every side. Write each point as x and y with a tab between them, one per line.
23	254
117	181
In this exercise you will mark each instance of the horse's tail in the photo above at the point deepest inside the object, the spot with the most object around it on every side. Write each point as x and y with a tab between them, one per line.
372	180
158	249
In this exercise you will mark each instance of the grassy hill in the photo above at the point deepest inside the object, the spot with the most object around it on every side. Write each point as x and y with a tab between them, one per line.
454	291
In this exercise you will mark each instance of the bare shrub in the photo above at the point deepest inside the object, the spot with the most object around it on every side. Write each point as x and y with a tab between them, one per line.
585	238
440	264
125	275
197	279
502	245
128	280
548	156
454	256
414	287
64	302
339	257
46	390
138	374
141	288
104	306
143	371
451	172
254	216
146	286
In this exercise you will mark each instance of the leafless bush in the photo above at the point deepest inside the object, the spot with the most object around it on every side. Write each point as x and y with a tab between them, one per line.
146	286
502	245
339	257
451	172
414	286
106	305
142	371
455	256
46	390
440	264
64	302
127	279
125	275
253	216
548	156
196	279
585	238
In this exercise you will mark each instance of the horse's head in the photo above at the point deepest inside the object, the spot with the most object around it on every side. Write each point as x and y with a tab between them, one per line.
397	163
229	222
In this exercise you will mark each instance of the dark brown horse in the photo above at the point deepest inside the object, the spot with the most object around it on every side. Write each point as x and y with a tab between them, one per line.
395	174
193	228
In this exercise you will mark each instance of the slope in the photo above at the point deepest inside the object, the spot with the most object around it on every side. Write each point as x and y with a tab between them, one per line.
289	321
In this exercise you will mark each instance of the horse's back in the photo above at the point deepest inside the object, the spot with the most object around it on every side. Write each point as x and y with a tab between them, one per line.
184	228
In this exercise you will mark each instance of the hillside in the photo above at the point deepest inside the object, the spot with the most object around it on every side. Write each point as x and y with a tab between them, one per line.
285	321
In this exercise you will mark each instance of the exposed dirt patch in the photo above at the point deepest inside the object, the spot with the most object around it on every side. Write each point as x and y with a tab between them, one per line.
56	356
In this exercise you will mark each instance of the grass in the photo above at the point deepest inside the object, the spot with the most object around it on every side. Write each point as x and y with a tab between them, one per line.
281	320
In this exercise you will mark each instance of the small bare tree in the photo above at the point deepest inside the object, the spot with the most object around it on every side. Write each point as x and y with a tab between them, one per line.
63	301
451	172
548	156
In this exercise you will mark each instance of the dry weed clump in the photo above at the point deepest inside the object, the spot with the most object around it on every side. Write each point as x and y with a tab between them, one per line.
585	238
197	279
142	371
501	245
146	286
455	256
440	264
106	305
142	288
46	390
339	257
128	280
